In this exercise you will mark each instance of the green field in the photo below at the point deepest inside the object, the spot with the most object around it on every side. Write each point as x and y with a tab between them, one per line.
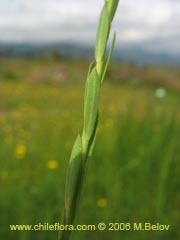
134	173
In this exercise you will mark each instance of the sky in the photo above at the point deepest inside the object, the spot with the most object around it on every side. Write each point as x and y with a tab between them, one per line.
151	23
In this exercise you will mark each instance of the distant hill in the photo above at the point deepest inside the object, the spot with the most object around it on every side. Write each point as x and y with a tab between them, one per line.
133	54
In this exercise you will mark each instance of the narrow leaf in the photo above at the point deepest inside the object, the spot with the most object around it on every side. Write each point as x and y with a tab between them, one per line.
91	104
89	71
93	139
102	35
73	174
90	68
108	58
111	7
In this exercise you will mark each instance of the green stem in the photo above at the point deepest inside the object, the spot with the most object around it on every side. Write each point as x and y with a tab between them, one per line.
84	144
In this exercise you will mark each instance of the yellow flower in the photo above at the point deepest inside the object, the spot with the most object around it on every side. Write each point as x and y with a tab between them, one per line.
102	202
20	151
52	164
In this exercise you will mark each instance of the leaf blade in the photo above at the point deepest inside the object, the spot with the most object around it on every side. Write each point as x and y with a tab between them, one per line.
73	174
108	58
102	35
91	104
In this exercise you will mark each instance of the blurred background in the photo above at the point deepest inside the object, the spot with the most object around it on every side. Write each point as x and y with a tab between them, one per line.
147	32
45	50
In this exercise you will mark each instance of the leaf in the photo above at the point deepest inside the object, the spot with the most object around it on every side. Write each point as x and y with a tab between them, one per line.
91	104
90	144
93	138
111	7
102	35
90	68
108	58
73	175
89	71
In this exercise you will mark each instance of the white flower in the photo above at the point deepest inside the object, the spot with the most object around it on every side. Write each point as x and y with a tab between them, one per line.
160	92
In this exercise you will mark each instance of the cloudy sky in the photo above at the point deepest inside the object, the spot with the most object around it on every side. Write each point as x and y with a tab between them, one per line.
153	23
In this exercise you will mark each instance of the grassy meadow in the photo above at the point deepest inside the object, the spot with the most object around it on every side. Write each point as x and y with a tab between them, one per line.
134	172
